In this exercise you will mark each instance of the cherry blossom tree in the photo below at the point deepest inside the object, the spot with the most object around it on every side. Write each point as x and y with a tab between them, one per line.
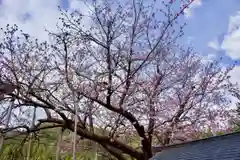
123	74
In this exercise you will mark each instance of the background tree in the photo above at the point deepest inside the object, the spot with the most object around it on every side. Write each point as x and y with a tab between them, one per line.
123	74
234	122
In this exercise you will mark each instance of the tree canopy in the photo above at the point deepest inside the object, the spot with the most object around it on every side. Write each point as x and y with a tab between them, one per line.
119	68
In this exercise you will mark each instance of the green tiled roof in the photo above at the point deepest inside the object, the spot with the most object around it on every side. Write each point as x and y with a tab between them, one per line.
226	147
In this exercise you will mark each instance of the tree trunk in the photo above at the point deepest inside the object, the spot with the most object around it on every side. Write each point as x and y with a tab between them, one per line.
93	144
30	138
7	123
75	128
59	143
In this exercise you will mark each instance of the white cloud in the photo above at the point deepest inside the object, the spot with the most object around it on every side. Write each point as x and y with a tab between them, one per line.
231	42
234	22
212	56
42	14
188	12
235	75
190	39
235	78
34	16
214	44
209	58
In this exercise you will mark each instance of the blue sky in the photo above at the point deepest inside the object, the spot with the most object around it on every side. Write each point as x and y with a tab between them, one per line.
209	25
213	25
208	20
